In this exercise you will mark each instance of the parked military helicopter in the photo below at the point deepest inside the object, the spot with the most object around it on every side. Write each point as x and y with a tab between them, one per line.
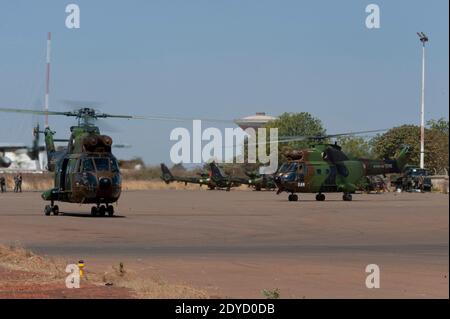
220	180
168	177
32	152
326	168
86	171
261	181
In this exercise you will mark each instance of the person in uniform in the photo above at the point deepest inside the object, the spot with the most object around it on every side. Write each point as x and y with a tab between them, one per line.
3	184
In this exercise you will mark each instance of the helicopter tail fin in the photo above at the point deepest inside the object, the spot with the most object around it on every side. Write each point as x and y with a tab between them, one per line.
50	147
34	151
401	158
216	171
166	176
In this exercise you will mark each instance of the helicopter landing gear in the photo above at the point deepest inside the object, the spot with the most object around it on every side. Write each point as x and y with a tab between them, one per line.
293	198
94	211
49	209
110	210
320	197
102	210
347	197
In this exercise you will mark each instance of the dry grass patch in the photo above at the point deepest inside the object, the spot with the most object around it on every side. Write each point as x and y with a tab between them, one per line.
40	270
152	287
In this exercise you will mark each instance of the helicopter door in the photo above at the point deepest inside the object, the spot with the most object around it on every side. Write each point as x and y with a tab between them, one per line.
330	182
62	176
70	171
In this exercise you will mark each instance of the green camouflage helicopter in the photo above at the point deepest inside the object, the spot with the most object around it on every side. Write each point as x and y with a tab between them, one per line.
261	181
219	180
168	177
86	171
325	168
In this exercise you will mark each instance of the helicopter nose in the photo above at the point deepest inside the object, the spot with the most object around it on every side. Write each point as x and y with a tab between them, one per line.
104	182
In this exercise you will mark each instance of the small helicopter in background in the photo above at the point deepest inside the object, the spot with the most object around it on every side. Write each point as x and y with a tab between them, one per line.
168	177
32	152
325	168
261	181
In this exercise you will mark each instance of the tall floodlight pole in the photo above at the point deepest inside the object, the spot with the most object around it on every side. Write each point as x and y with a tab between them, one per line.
47	77
423	39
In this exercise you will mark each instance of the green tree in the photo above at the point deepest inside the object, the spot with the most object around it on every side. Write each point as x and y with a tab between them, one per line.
355	146
436	145
296	124
440	125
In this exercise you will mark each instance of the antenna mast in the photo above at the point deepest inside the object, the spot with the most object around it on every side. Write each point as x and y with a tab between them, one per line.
47	77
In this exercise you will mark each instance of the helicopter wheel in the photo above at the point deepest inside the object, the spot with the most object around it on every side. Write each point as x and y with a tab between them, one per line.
110	210
293	198
47	210
320	197
347	197
94	211
55	210
102	210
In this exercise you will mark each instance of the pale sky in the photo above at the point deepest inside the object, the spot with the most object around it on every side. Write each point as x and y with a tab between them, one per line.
223	59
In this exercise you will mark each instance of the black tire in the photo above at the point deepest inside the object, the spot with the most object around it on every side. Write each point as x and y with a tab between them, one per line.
320	197
94	211
47	210
102	210
347	197
294	197
55	210
110	210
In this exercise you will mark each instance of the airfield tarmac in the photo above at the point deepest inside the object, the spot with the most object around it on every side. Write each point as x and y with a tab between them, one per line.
235	244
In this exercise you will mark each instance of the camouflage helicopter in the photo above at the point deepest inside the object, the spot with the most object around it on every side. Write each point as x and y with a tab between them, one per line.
168	177
261	181
325	168
220	180
86	171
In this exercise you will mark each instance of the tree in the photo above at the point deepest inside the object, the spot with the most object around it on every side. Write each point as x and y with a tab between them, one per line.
296	124
436	145
355	146
440	125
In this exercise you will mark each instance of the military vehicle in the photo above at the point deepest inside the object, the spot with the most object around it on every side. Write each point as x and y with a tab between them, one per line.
261	181
86	171
325	168
168	177
413	179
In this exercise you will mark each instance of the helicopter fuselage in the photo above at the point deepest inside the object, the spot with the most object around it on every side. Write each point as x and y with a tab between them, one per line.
326	169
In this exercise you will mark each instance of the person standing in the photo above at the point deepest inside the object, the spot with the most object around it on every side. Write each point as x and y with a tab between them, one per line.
3	184
16	184
19	183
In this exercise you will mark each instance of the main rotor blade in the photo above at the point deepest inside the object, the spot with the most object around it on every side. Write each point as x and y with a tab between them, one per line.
35	112
300	138
105	115
287	139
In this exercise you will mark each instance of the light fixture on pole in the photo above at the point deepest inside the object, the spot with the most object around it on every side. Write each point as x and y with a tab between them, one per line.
423	39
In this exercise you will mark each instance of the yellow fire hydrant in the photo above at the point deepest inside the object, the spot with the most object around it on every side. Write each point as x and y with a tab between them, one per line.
81	268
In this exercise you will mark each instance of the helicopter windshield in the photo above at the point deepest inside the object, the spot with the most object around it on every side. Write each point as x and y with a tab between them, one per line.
102	164
288	167
114	165
88	166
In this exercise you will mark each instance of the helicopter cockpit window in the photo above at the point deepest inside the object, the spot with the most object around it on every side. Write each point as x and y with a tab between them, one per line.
114	165
102	164
88	166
